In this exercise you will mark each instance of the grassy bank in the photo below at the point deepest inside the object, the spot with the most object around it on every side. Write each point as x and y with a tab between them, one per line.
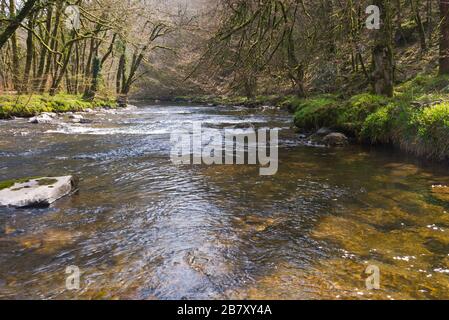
416	120
31	105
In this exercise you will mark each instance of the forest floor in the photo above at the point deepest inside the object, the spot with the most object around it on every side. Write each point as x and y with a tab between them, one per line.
31	105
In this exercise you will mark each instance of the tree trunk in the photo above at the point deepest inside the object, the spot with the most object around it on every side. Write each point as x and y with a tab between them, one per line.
15	48
16	21
444	38
383	63
59	76
29	56
90	93
419	23
43	53
53	45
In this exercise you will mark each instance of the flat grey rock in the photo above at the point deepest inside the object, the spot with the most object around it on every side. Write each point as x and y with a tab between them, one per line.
36	192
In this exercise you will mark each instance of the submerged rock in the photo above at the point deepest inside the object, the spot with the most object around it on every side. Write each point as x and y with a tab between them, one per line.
327	137
441	193
47	242
35	192
335	140
318	136
41	119
76	118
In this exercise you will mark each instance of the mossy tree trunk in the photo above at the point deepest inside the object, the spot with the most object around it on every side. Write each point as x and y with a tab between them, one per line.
421	30
53	47
43	52
296	70
97	66
14	48
29	55
90	93
383	61
444	38
16	20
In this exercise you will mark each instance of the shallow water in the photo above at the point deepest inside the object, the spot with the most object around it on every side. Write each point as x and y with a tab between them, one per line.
142	228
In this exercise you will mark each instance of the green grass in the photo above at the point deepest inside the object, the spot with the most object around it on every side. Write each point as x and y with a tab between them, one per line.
32	105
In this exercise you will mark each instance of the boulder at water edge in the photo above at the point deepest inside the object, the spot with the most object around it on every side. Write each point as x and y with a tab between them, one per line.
335	140
35	192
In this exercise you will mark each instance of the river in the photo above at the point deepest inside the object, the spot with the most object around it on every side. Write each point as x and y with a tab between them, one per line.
143	228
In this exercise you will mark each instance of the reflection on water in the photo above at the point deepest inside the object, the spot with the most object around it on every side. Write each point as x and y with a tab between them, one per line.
142	228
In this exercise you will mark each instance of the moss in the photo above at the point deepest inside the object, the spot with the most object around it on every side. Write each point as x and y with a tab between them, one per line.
31	105
291	103
387	123
316	112
46	182
40	181
357	109
432	125
9	183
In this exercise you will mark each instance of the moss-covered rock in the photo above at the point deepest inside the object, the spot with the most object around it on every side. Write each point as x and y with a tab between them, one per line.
317	112
33	105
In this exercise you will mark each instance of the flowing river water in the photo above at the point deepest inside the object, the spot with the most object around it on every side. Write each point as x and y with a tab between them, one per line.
143	228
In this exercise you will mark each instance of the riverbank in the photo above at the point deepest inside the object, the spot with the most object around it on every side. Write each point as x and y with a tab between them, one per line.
258	101
415	120
32	105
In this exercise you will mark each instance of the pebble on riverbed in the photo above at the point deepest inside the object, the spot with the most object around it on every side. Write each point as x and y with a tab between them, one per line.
440	192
